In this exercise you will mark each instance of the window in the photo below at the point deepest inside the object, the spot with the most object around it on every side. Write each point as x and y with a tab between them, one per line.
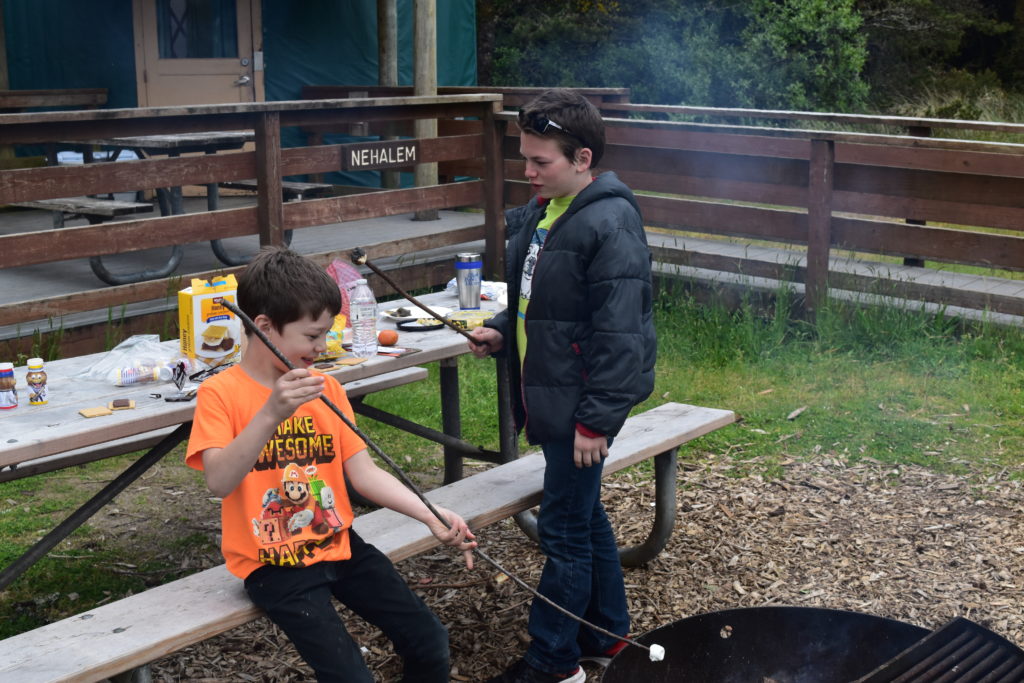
197	29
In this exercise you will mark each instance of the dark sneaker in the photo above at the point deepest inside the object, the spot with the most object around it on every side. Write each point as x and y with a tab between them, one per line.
605	658
521	672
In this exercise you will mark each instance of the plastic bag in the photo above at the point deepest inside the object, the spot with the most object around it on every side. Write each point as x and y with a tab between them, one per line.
344	274
138	359
489	290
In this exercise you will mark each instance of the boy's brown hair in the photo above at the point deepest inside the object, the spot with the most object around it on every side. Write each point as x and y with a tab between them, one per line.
286	286
569	118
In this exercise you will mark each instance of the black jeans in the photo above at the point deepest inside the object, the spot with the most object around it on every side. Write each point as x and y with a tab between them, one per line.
299	601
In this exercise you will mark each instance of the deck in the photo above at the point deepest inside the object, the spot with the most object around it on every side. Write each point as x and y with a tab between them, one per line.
75	275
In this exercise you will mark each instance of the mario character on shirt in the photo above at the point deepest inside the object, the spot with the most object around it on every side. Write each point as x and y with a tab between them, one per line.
302	501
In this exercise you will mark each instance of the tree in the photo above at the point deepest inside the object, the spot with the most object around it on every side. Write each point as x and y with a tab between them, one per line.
800	54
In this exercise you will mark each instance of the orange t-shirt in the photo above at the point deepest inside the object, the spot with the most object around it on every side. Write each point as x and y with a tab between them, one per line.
292	508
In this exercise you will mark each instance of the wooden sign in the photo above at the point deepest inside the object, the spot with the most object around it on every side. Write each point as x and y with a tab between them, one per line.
369	156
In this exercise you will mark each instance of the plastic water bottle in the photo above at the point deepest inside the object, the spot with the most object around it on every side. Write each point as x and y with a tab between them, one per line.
363	314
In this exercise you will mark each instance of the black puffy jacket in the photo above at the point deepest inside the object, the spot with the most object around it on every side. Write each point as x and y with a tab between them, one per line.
590	335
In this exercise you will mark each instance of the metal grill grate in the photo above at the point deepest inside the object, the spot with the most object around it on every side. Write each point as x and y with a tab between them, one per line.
959	652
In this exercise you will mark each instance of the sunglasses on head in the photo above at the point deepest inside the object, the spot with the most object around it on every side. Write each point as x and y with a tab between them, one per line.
540	124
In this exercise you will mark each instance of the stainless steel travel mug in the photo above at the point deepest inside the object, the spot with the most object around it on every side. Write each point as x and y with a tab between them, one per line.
468	271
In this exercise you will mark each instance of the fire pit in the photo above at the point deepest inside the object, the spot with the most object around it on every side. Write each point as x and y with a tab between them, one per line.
772	645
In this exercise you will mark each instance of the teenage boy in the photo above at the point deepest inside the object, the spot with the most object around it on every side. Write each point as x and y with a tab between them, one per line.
579	340
279	457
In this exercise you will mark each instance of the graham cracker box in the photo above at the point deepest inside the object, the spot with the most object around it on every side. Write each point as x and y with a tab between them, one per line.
209	331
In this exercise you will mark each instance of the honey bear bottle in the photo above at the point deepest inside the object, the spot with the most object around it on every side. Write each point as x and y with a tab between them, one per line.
8	392
36	380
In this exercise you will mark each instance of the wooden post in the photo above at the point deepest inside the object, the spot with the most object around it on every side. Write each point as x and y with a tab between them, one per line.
819	222
6	151
425	48
387	67
269	197
494	194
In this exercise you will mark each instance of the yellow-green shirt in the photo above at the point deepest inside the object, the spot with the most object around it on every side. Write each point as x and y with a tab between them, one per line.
554	210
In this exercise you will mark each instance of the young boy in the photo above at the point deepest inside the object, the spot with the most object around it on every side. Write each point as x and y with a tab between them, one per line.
579	340
278	457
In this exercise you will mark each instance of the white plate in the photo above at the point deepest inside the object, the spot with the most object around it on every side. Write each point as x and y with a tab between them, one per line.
415	313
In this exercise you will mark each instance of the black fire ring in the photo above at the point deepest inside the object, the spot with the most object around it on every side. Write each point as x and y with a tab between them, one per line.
810	645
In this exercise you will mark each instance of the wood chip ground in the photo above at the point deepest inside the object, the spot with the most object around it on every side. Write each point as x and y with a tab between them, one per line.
900	542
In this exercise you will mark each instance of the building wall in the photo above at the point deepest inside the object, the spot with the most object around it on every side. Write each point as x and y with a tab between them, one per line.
89	44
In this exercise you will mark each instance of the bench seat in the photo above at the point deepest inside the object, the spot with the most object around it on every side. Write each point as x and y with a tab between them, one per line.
289	188
141	628
88	206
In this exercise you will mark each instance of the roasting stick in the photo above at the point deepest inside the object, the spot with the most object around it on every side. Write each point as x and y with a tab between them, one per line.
359	258
657	653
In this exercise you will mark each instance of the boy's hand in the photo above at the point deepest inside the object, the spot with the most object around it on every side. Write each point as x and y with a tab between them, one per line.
458	535
489	341
587	451
291	390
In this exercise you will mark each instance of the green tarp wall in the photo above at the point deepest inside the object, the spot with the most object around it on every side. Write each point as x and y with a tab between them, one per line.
88	44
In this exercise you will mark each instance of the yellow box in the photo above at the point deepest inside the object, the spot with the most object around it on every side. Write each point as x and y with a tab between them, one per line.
209	331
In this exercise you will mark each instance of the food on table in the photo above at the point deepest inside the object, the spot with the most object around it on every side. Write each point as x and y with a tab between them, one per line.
95	412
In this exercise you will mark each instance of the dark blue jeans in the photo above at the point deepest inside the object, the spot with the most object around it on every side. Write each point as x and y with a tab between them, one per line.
582	572
299	601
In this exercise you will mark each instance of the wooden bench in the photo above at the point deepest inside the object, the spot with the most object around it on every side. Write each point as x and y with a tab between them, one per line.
93	210
292	190
142	628
355	389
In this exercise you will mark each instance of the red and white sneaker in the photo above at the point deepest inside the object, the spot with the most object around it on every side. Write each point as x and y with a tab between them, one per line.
521	672
605	658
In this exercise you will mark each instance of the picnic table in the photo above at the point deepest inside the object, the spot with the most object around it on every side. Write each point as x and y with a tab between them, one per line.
43	438
169	199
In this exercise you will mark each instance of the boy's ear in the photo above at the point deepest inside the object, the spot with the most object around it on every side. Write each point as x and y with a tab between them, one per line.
263	323
584	156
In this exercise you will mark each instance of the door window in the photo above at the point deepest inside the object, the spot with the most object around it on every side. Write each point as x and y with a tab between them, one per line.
197	29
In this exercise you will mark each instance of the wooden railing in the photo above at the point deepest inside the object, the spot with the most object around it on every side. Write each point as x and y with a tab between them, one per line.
923	199
920	199
513	97
268	163
69	98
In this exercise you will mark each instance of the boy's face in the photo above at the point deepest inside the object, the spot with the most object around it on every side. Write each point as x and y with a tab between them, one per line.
302	340
550	173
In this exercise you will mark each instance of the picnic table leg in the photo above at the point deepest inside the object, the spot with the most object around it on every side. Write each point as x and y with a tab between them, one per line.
103	273
229	260
142	674
664	513
92	506
509	440
451	418
467	450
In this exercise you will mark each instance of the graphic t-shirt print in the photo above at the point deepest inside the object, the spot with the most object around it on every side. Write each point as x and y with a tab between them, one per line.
298	515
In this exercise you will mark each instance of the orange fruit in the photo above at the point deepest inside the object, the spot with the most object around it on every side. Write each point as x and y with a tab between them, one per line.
387	337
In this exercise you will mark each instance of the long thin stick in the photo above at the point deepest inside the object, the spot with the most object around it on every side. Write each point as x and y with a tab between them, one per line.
408	482
359	258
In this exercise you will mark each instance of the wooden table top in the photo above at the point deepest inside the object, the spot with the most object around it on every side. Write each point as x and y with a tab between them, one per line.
29	432
177	142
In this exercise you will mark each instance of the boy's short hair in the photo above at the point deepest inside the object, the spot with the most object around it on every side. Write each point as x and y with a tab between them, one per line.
569	118
286	286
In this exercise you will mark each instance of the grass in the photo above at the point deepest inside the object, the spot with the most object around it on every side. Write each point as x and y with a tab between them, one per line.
899	387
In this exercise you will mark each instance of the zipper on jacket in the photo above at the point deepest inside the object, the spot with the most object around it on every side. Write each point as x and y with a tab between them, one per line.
536	265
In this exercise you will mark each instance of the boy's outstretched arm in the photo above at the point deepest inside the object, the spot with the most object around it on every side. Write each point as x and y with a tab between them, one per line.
384	489
224	468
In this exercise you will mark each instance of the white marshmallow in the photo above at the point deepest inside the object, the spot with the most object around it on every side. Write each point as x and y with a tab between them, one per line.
657	652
